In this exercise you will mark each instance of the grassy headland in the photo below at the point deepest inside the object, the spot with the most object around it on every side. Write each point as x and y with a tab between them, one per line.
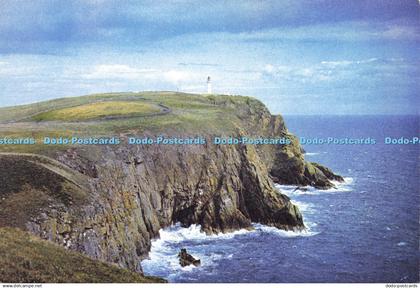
123	113
99	110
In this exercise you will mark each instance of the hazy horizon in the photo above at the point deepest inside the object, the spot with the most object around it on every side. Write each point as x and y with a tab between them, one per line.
298	57
282	114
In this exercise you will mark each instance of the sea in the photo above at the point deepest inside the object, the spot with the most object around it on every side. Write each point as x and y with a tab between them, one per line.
364	230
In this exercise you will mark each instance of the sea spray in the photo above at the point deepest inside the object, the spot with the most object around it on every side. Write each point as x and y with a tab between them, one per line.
289	190
210	249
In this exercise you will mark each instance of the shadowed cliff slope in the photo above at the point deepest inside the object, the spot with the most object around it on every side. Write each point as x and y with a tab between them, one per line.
25	259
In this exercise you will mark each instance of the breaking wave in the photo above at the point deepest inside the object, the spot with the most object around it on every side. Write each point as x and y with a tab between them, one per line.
211	249
291	190
163	260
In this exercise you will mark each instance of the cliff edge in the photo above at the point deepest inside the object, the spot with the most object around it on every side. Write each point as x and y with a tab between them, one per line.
109	201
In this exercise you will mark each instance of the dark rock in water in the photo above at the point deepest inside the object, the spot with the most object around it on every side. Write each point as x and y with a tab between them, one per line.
300	189
90	200
186	259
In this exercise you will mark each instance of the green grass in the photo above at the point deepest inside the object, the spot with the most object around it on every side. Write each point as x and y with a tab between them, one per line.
17	113
30	182
26	259
117	114
99	110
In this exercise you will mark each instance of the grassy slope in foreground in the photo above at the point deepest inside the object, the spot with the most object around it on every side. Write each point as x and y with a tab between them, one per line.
25	258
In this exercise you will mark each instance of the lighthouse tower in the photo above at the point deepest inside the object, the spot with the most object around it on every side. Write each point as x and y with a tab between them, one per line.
209	85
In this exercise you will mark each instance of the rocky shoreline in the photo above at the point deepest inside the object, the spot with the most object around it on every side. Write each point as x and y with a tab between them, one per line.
110	202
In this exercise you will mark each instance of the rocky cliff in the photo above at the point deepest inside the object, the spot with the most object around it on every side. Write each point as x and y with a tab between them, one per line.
24	258
109	202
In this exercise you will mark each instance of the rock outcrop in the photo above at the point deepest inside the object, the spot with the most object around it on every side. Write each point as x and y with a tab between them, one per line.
186	259
109	202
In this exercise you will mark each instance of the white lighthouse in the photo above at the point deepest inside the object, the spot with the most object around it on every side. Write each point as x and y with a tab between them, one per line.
209	85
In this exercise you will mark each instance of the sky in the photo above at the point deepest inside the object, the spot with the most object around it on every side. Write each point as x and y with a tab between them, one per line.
306	57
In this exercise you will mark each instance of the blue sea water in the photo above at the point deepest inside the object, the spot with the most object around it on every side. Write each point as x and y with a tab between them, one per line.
366	230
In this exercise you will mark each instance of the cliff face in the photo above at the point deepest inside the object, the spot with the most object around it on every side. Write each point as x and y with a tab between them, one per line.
286	163
109	202
288	166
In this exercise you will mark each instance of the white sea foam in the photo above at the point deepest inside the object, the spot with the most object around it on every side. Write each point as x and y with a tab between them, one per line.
286	189
303	206
176	234
311	153
290	190
163	258
283	233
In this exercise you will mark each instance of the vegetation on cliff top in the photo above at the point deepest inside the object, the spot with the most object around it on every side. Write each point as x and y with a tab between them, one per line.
99	110
25	258
125	113
109	203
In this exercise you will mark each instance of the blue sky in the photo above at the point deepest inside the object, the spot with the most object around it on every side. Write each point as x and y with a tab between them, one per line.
298	57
